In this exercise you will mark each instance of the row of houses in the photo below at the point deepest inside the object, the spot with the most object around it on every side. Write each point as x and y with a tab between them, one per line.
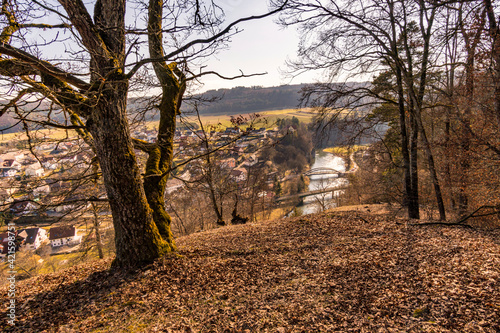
150	135
31	207
16	163
33	238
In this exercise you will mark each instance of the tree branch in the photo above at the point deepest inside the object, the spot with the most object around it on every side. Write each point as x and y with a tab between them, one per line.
82	21
143	145
27	60
181	49
242	75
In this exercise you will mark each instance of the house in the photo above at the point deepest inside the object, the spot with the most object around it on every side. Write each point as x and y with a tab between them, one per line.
251	160
34	237
34	170
83	160
238	150
49	163
228	163
41	189
72	203
57	185
68	159
8	172
16	156
4	242
5	197
46	146
11	163
64	235
239	175
22	208
232	130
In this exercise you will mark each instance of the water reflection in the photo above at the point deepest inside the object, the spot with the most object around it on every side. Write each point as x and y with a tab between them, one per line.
319	202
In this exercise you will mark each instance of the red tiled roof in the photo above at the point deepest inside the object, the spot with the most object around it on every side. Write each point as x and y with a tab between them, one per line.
62	232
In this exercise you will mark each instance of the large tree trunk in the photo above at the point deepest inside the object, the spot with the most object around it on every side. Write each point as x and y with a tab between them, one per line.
414	193
410	199
97	232
494	32
432	169
136	236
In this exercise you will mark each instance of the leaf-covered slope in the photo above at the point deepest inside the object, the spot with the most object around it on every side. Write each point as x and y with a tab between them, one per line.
332	272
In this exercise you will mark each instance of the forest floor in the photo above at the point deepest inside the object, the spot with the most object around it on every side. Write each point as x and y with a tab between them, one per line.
339	271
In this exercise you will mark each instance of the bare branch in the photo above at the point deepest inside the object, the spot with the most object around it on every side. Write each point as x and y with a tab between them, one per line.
26	59
242	75
202	41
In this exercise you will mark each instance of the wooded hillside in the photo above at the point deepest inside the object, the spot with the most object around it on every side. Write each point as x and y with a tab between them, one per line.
338	271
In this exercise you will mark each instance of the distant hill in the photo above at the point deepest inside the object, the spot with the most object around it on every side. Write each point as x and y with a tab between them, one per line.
238	100
9	125
251	99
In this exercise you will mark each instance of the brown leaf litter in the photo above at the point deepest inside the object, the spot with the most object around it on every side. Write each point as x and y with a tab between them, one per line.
331	272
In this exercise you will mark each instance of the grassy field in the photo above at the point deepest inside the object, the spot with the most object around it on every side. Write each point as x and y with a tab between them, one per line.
344	150
55	134
268	120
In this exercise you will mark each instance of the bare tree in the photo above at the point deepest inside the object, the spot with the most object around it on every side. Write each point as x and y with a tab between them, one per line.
91	87
362	37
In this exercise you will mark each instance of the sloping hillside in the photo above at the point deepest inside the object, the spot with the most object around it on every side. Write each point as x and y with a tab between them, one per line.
332	272
246	100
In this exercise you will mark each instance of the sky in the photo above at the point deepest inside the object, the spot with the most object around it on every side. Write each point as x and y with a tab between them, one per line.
262	46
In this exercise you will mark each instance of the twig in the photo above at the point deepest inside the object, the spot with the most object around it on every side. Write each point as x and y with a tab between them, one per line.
461	224
462	221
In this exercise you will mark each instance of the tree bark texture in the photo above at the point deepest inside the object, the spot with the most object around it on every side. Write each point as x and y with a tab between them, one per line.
137	239
142	226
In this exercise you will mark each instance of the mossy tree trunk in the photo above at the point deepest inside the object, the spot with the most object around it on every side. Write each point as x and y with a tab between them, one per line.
97	104
137	238
142	226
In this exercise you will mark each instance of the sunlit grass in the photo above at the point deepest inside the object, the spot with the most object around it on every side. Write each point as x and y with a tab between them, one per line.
267	120
344	150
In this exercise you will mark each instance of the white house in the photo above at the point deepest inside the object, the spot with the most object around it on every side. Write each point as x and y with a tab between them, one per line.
239	175
8	172
41	189
16	156
50	163
68	159
23	208
251	160
64	235
34	237
34	170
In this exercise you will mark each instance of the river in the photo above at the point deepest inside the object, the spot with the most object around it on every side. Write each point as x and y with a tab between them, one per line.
317	203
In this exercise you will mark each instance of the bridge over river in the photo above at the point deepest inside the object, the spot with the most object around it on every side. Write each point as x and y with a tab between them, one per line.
324	171
309	193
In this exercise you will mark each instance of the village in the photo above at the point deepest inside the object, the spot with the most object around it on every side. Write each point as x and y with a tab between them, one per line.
39	190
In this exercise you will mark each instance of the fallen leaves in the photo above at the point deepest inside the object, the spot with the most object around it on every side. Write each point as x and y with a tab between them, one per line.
318	273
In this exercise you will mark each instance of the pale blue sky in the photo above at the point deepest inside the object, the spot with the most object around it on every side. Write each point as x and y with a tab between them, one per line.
262	46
